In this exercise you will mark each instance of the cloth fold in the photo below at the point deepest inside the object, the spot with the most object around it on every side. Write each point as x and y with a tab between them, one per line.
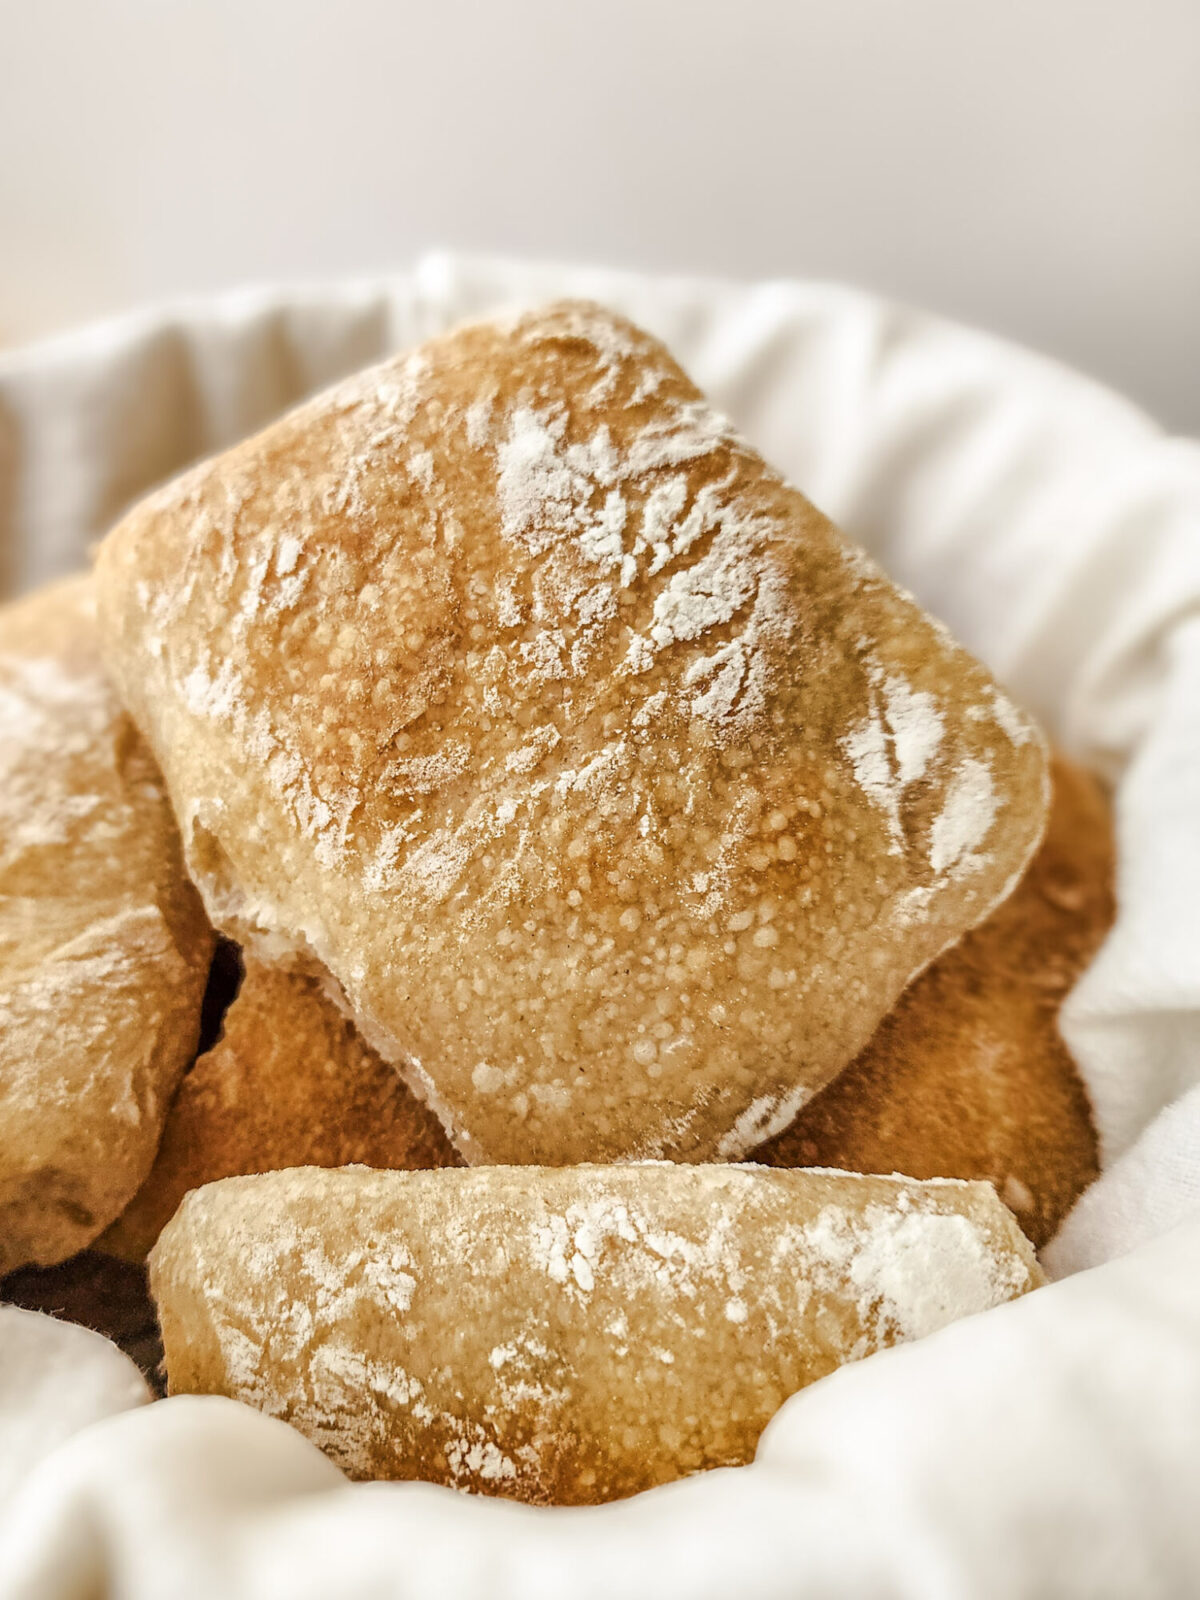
55	1378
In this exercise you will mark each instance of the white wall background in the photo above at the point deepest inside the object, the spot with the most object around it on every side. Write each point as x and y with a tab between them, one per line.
1030	165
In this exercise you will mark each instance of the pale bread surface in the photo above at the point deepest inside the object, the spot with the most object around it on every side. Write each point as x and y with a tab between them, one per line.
104	946
566	1335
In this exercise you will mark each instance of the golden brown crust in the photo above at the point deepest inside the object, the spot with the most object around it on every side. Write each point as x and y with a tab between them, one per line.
288	1084
104	946
618	791
564	1335
968	1077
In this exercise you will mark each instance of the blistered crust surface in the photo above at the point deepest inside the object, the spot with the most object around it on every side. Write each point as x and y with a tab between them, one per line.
620	794
559	1336
288	1084
104	946
968	1077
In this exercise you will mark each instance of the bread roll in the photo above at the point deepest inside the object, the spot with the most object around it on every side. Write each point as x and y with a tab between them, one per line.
619	792
564	1335
104	946
289	1083
968	1077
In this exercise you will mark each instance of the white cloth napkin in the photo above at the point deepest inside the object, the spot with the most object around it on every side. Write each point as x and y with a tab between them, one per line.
1051	1447
1150	1189
1044	1449
55	1378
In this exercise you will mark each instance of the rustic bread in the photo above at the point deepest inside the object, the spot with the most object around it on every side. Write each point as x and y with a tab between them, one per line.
618	793
104	946
564	1335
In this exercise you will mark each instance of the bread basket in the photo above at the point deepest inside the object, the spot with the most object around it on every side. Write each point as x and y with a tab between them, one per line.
1051	1446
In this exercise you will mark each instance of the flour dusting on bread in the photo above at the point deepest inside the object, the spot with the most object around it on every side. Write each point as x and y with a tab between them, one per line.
565	1335
104	946
508	682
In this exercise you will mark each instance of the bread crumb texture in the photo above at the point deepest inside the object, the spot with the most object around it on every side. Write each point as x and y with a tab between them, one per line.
104	945
619	794
565	1335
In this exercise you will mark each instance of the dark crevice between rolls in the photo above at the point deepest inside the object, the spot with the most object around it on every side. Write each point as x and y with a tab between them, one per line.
224	981
100	1292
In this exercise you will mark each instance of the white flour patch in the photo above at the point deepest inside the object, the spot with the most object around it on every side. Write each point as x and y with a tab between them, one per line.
762	1120
429	773
867	749
915	1271
895	745
966	818
1019	728
916	727
545	490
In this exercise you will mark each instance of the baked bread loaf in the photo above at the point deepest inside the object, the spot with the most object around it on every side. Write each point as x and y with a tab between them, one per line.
289	1083
564	1335
968	1076
104	946
619	794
